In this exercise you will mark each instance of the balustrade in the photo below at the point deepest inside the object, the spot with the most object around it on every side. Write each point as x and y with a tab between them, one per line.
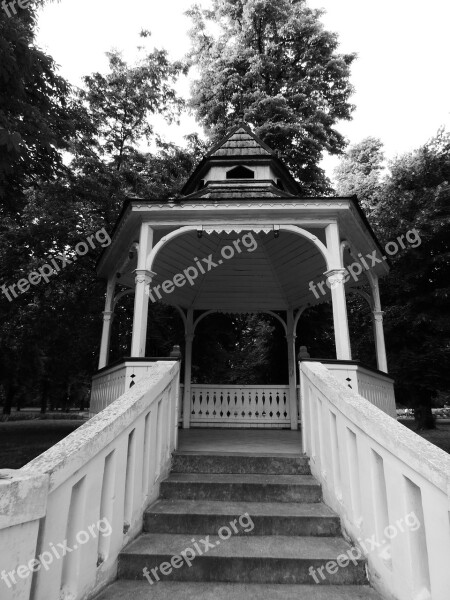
381	478
107	471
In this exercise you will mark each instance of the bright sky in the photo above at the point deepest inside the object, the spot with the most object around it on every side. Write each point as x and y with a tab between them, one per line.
401	76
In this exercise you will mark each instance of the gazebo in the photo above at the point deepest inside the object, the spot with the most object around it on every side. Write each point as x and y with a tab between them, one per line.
242	239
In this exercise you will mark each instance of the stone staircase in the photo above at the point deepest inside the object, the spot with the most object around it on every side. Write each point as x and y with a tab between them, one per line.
250	527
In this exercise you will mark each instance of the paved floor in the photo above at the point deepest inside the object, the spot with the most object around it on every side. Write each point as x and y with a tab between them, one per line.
247	441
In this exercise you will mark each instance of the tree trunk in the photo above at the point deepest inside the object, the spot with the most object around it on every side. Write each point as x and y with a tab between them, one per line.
421	401
44	396
9	397
424	417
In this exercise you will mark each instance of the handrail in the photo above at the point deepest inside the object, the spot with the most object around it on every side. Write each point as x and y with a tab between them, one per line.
377	474
88	493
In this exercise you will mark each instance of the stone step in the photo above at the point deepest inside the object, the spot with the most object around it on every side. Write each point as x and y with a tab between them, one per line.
269	518
241	487
251	559
173	590
230	462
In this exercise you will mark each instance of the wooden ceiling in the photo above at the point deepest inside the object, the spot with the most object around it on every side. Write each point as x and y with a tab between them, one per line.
273	276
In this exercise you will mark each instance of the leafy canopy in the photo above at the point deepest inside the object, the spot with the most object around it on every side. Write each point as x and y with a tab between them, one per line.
273	65
414	194
359	172
37	117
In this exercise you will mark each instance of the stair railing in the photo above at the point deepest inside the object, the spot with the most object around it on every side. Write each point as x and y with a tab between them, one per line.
390	487
66	515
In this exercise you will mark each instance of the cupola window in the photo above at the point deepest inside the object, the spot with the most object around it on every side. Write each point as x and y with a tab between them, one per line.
240	172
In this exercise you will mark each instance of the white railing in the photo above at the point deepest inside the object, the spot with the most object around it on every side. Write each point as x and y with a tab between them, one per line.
373	385
390	487
239	406
105	473
113	381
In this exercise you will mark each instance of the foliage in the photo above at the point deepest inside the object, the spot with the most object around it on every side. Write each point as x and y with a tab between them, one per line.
240	349
50	334
37	116
359	172
273	65
121	103
414	195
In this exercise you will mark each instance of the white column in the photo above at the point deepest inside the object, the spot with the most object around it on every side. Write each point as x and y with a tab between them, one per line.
378	325
336	279
290	336
189	337
141	297
140	315
108	316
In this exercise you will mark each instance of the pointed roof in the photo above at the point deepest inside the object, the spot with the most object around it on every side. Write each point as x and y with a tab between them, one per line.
241	141
241	146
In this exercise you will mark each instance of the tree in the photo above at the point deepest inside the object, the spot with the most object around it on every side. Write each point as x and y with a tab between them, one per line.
49	335
37	117
273	65
415	196
360	172
121	103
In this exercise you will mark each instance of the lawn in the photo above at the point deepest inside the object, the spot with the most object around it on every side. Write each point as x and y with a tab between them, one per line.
21	441
439	436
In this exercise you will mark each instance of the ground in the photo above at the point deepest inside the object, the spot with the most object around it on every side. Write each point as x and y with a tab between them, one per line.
21	441
439	436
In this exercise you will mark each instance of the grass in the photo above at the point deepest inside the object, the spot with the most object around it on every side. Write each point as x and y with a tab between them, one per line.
21	441
439	437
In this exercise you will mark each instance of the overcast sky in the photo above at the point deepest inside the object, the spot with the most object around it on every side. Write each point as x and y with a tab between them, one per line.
401	76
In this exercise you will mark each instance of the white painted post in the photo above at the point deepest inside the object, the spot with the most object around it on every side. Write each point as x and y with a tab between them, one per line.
290	336
108	316
378	325
143	279
189	337
335	278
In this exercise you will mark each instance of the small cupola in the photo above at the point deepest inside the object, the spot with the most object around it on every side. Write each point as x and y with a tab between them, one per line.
241	159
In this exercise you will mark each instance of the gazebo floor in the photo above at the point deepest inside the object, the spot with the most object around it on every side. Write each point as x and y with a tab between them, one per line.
241	441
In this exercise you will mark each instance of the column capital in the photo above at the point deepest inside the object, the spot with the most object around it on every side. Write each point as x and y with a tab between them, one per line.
378	315
188	337
143	276
291	337
335	277
108	315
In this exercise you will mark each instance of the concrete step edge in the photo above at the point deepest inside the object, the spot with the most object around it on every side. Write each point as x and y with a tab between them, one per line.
174	590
